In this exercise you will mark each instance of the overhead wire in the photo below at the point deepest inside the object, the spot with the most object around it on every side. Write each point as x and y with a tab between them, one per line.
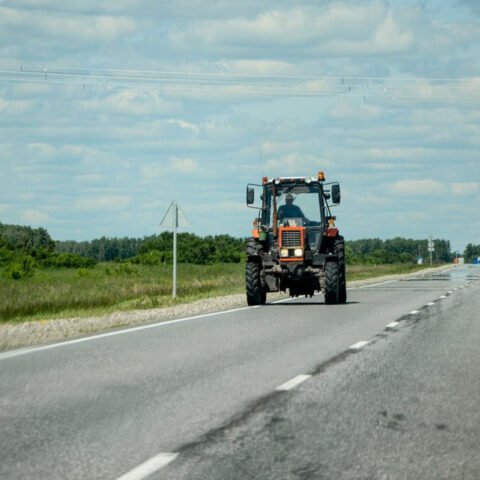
226	83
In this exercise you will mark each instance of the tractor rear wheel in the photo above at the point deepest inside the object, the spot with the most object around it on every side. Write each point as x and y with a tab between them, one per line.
256	293
340	251
332	283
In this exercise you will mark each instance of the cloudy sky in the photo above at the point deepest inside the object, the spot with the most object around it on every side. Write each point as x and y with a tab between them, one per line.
111	109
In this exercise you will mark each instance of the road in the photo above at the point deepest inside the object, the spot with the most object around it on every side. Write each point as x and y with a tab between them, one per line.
199	398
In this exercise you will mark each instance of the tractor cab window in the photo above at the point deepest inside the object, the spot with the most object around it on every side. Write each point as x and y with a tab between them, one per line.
298	206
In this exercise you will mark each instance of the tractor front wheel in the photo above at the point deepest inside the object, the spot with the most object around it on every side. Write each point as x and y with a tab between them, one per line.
256	293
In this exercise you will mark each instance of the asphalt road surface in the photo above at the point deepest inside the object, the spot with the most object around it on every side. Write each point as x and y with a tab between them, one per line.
293	390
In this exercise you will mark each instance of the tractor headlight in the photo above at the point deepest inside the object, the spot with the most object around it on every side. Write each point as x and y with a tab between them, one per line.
298	252
284	252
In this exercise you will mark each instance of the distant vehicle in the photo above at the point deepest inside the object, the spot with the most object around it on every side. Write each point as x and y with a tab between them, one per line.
295	244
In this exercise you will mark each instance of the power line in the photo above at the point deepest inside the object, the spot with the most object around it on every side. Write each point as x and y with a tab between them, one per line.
220	83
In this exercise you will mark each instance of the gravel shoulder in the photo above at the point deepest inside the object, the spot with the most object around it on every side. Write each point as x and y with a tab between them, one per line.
16	335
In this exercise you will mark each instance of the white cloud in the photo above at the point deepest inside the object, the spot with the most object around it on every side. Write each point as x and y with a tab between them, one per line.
104	202
372	31
89	178
184	124
349	111
84	6
15	107
42	149
462	189
163	169
35	216
130	101
184	165
425	187
65	26
297	164
153	170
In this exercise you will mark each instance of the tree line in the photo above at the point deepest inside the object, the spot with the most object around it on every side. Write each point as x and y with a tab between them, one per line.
24	248
472	252
156	249
395	250
227	249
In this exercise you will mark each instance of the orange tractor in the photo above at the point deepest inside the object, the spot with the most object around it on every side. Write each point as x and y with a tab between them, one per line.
295	244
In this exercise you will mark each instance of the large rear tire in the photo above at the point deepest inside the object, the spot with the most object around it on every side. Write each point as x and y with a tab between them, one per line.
332	283
256	293
340	251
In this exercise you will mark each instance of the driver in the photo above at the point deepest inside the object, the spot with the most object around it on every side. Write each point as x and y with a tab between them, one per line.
289	210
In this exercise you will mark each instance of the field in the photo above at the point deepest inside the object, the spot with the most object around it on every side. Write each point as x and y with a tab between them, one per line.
59	293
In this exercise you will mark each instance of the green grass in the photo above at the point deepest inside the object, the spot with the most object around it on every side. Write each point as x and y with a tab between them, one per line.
55	293
362	272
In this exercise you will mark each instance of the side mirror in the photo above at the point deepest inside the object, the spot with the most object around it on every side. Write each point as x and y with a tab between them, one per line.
250	196
336	193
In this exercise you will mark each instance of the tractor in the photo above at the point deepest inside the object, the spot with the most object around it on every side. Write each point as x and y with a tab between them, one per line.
295	244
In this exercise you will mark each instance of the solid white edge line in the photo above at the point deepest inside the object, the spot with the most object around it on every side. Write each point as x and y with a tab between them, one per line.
24	351
295	381
358	345
149	467
391	325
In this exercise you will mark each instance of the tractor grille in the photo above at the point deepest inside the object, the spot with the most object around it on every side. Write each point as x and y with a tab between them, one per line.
291	238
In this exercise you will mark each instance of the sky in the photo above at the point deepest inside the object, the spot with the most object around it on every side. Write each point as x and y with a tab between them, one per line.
109	110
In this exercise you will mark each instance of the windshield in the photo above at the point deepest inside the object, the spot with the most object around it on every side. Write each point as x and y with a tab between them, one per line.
297	206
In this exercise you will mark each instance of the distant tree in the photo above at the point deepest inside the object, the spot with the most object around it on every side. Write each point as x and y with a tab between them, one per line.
26	239
471	252
395	250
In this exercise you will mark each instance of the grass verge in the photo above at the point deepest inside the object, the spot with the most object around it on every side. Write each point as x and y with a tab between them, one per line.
56	293
363	272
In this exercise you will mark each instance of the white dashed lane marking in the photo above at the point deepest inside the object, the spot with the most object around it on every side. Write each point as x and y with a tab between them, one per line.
392	325
293	382
414	312
358	345
149	467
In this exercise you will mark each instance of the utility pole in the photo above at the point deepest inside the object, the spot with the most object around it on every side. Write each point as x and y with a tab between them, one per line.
431	248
